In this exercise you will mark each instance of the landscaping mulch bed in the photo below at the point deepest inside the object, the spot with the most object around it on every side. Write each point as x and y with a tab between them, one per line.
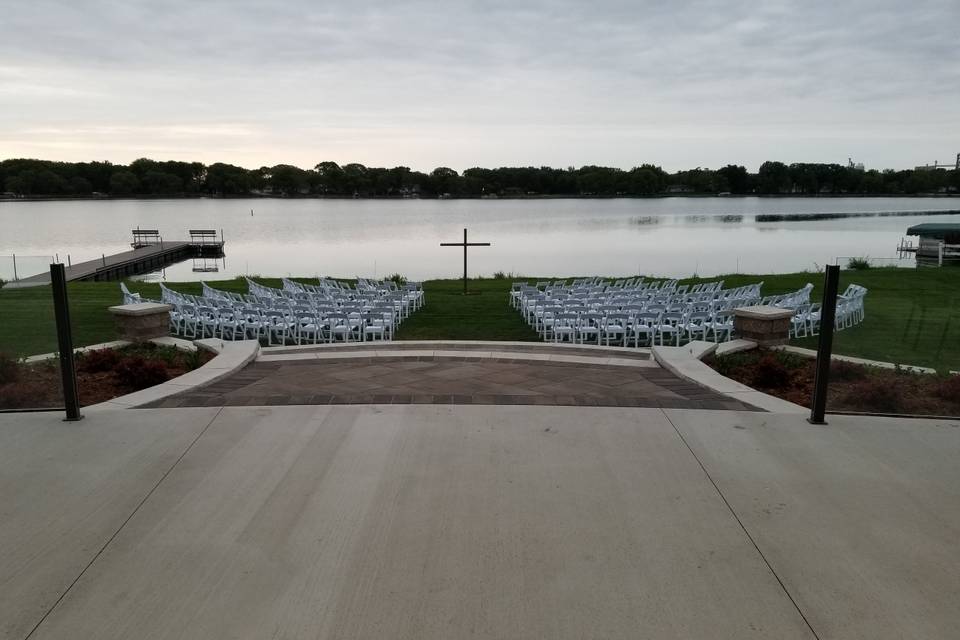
101	375
853	387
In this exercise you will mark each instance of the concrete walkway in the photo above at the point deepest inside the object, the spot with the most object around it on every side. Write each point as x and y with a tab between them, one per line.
462	521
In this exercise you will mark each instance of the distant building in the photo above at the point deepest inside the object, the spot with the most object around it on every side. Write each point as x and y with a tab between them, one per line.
936	165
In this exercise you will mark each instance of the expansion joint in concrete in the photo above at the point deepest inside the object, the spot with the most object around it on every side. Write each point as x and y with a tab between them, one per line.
122	525
746	532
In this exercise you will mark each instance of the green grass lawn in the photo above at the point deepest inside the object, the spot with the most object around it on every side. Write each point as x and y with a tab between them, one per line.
485	314
912	316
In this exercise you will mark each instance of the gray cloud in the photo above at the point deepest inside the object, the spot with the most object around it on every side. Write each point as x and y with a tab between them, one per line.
482	83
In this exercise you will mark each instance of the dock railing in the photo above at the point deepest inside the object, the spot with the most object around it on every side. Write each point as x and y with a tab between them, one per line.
14	267
146	238
204	237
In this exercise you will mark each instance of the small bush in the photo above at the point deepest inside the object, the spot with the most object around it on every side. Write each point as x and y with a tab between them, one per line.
399	279
949	389
858	264
97	361
138	373
170	356
770	372
728	365
841	370
192	359
792	361
9	369
876	395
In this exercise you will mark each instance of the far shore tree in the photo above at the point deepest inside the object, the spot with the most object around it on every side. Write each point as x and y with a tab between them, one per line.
146	177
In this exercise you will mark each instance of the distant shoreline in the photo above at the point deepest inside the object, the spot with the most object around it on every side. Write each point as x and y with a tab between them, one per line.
205	196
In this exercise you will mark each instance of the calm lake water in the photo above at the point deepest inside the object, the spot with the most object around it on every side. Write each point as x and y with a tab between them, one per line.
373	238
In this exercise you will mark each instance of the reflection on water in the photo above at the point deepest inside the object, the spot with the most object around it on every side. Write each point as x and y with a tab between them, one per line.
663	236
795	217
206	267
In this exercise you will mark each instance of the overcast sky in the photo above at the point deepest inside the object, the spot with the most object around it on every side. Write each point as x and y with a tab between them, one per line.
461	84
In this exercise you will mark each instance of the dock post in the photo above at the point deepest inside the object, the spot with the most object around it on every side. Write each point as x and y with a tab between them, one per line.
68	368
15	278
828	315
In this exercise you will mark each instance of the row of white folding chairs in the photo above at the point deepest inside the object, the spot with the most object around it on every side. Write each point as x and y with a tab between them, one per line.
646	298
411	290
407	300
277	326
636	329
850	307
789	300
592	284
806	320
850	312
522	295
629	284
521	292
129	297
260	314
286	305
260	293
535	313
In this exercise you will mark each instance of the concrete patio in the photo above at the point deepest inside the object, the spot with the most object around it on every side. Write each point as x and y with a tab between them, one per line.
447	521
452	379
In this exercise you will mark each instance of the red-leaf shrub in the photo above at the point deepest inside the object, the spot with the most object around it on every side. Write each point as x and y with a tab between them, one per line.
949	389
9	369
138	373
770	373
876	395
842	370
97	360
26	394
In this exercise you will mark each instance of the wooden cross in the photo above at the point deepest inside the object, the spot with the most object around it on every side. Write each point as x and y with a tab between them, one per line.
464	244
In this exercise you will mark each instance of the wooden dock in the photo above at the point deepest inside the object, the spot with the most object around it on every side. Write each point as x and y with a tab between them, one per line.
140	259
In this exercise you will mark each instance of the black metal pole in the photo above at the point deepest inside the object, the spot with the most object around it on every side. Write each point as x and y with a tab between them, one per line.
828	314
464	262
68	371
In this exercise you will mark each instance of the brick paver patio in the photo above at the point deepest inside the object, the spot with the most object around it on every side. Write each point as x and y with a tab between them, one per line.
451	380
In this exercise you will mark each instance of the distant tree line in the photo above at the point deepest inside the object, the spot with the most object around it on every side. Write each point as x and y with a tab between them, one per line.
143	177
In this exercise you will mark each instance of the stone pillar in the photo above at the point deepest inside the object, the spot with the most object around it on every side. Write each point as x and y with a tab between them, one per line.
141	321
765	325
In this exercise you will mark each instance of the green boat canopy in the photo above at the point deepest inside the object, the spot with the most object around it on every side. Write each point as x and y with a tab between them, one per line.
934	230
